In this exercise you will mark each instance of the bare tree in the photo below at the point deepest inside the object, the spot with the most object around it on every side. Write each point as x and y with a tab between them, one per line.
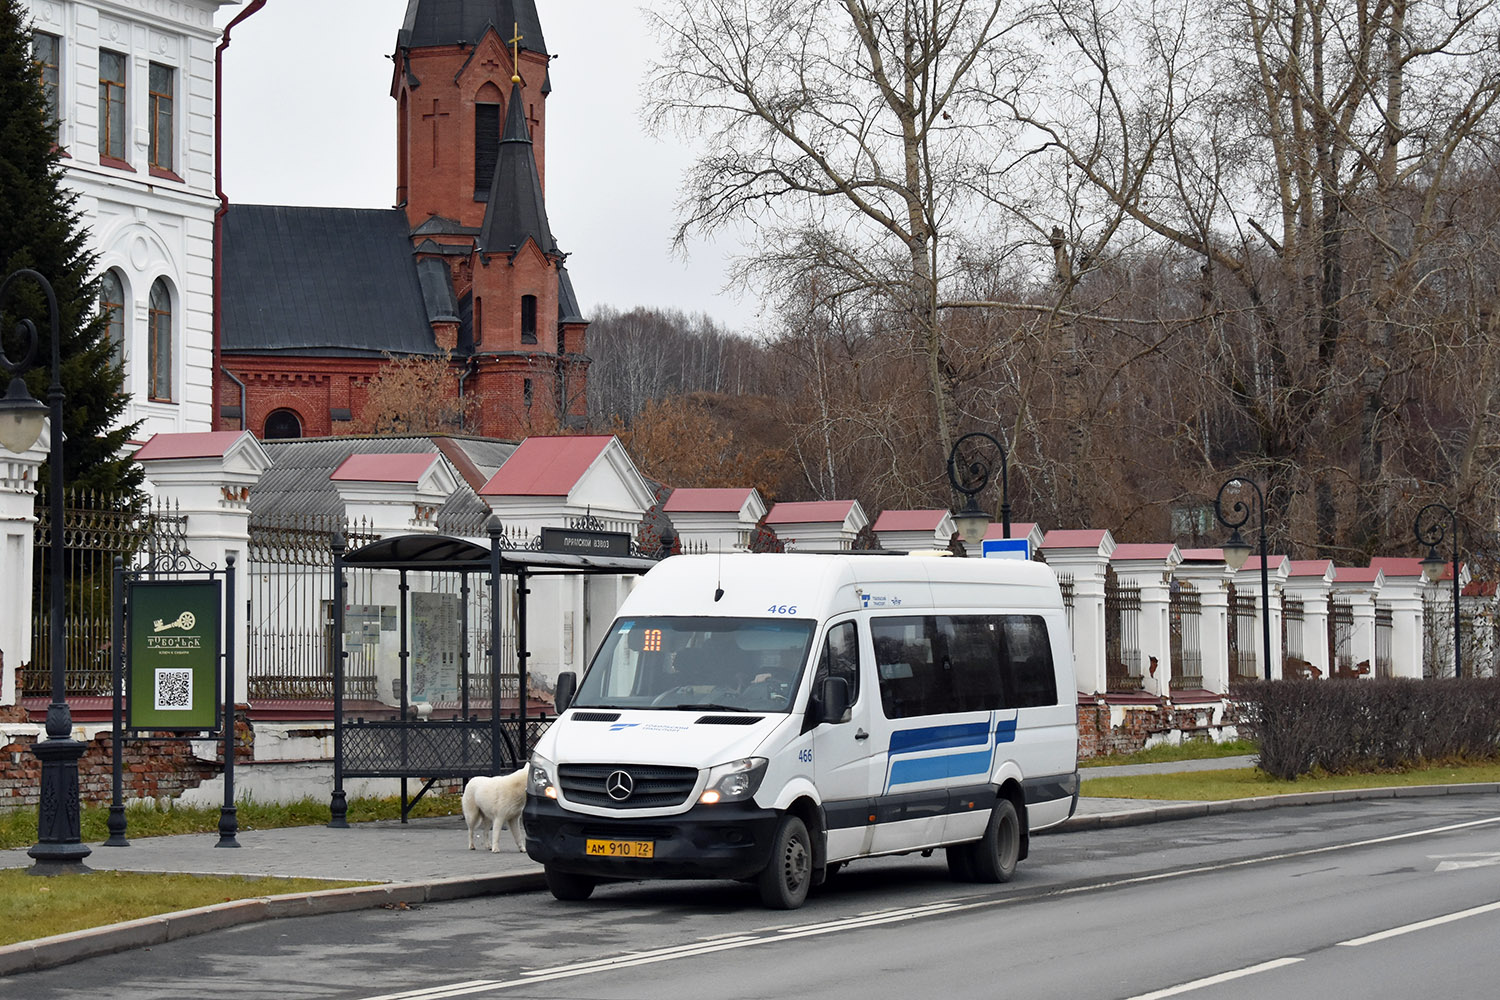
846	133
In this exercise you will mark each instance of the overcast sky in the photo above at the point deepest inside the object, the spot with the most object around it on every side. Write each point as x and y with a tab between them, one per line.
308	120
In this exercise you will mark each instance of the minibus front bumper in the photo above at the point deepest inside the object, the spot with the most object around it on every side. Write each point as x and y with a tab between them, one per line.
724	840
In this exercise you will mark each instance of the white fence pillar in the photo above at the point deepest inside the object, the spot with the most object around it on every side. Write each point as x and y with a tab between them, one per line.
17	548
1205	572
1310	581
1083	555
1358	586
1149	568
209	476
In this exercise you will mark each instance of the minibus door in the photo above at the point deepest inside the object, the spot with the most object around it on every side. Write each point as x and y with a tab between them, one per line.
842	749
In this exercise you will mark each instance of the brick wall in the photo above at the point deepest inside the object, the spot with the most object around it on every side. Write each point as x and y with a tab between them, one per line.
1106	729
153	769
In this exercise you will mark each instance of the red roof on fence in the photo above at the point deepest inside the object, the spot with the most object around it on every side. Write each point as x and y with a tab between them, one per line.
1407	566
810	512
203	444
1143	550
1309	567
909	520
1202	555
376	468
546	466
1018	529
1355	574
707	501
1272	562
1074	538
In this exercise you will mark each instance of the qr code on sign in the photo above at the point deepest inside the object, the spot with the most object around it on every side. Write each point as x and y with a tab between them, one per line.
174	690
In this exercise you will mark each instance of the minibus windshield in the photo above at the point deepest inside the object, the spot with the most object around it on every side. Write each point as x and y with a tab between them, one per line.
712	664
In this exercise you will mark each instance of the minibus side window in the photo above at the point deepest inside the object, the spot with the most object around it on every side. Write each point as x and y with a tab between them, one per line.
1028	654
840	658
972	659
911	682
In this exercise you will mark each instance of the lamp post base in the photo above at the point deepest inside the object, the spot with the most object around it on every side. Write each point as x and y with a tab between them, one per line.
59	848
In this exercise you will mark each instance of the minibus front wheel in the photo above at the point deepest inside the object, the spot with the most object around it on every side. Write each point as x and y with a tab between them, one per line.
568	886
785	881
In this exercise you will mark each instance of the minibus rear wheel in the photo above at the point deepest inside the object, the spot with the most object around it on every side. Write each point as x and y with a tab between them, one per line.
567	886
785	881
994	857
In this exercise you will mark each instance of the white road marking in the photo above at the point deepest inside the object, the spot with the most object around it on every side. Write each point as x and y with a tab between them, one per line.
1420	925
879	917
1223	977
1446	864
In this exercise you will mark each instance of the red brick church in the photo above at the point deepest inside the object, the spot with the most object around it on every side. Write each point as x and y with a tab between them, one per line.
313	301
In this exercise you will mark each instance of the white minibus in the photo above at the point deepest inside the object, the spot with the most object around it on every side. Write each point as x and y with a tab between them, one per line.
772	717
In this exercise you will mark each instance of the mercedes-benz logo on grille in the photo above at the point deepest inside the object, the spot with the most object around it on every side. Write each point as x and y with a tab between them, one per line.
619	785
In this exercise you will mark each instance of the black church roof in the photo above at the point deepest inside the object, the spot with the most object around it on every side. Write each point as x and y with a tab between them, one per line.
447	22
516	209
331	282
567	299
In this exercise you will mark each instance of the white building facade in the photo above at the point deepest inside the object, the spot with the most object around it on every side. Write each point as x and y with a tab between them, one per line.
132	86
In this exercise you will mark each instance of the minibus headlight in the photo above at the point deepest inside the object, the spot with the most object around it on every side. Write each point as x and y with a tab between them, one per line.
539	779
735	781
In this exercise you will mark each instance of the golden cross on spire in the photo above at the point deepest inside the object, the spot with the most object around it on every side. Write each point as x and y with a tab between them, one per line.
515	53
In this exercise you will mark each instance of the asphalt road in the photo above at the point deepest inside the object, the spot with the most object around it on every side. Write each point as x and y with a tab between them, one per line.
1276	903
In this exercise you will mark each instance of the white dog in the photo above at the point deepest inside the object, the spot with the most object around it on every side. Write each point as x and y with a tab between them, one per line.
495	801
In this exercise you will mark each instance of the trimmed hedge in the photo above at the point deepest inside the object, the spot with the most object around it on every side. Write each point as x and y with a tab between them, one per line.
1343	727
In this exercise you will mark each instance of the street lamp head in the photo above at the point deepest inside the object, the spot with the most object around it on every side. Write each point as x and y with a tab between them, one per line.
1433	566
1236	551
21	418
971	523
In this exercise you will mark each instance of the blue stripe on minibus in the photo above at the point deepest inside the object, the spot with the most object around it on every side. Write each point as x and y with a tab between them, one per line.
953	765
939	737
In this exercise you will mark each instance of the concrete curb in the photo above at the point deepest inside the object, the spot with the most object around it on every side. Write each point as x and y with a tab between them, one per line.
60	949
1196	810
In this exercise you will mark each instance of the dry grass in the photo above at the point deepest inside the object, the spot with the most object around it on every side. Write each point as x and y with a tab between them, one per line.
1249	782
37	907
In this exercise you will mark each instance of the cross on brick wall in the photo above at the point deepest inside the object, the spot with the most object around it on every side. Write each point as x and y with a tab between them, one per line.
434	116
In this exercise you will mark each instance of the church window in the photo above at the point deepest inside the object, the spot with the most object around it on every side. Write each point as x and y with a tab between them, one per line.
282	424
112	301
486	148
528	319
47	51
111	104
526	393
162	91
160	361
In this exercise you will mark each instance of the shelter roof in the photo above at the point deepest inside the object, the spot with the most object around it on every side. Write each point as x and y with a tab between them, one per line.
382	467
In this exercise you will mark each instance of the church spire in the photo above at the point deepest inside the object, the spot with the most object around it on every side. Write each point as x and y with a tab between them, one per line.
516	209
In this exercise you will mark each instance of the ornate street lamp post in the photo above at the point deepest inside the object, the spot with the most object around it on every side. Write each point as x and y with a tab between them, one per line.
59	847
1237	551
1433	565
969	472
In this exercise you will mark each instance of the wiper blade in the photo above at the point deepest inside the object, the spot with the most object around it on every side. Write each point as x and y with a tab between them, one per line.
704	707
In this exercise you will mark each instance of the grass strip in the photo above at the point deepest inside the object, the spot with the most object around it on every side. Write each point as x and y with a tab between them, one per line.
1169	752
1250	782
145	818
40	907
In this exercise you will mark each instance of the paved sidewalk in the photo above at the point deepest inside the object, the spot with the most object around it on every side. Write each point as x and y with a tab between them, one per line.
427	860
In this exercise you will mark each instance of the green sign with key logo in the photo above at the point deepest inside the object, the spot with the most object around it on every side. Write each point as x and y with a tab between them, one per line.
172	671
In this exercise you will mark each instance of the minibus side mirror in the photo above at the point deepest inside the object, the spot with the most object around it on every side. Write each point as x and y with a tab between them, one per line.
567	687
833	700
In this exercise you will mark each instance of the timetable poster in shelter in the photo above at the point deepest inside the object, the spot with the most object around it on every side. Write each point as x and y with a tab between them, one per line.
173	667
435	637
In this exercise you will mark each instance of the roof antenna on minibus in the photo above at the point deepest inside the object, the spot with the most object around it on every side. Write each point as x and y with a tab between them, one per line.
719	583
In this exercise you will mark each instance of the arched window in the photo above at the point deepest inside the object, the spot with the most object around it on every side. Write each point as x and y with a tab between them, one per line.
112	302
282	424
528	319
160	333
486	139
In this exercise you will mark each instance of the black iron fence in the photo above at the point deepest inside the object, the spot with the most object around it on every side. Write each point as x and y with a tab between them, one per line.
96	528
1186	619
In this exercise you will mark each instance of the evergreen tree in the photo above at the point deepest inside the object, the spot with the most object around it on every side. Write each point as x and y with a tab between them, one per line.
41	229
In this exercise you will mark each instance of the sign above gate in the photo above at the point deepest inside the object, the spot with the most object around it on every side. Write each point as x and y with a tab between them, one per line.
586	543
